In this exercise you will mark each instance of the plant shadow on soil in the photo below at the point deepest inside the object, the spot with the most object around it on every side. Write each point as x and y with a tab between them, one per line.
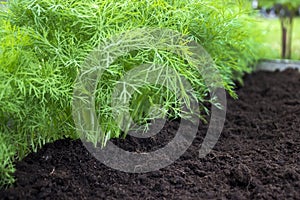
256	157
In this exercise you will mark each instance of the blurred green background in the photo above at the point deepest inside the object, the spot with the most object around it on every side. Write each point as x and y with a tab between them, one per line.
271	33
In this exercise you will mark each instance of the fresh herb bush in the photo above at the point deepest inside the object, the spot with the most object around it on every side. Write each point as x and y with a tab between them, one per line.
43	44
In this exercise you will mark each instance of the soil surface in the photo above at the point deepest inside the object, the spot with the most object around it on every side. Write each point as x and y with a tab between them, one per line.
256	157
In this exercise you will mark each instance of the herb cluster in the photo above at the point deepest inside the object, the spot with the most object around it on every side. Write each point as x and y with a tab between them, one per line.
43	44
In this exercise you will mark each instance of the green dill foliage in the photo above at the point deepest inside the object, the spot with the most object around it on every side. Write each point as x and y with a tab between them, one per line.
7	153
43	44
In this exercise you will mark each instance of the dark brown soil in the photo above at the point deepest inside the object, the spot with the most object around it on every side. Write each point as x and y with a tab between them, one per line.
257	156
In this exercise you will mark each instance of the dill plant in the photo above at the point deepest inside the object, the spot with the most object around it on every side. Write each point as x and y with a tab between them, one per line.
43	44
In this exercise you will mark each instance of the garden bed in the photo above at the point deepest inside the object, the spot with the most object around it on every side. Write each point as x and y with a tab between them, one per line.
272	65
257	156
